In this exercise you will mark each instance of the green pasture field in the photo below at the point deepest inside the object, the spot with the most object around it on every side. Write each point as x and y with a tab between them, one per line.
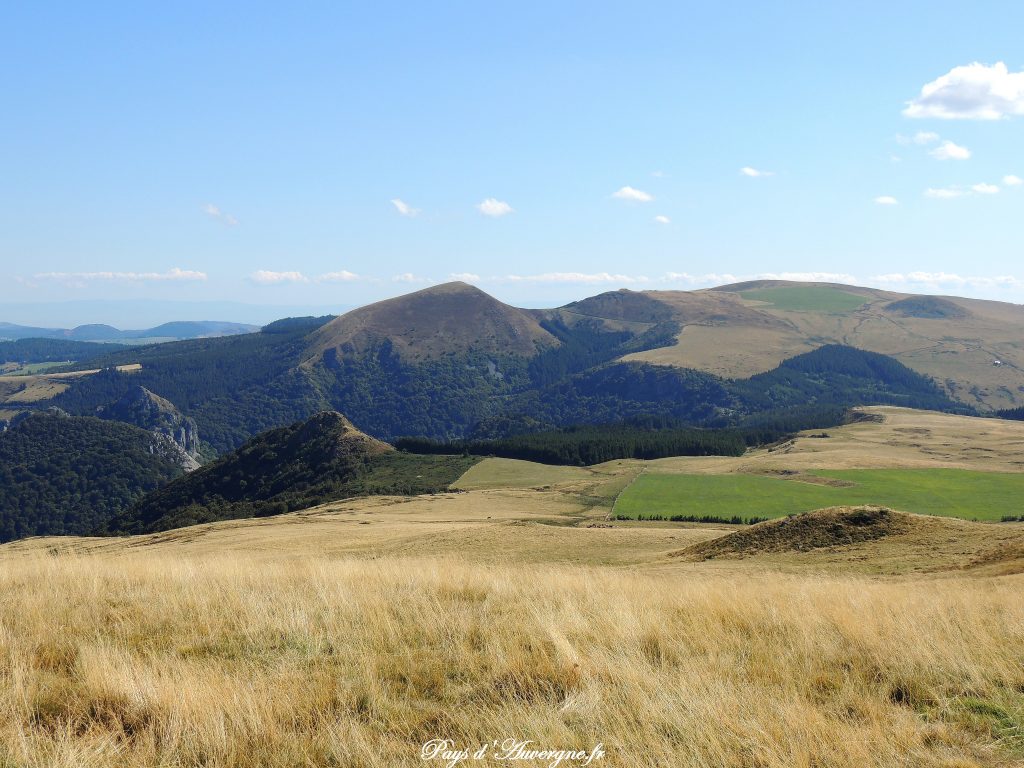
947	492
807	299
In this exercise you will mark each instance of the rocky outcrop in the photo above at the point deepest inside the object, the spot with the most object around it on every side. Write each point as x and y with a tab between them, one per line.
151	412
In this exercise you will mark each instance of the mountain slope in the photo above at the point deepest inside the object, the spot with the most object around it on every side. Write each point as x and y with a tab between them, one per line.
439	362
69	475
233	387
761	323
838	375
443	320
53	350
317	460
830	376
153	413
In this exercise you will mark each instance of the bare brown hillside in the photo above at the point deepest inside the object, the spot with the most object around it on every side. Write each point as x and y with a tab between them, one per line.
450	318
740	330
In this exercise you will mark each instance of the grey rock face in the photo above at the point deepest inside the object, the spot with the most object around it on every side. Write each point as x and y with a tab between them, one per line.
152	412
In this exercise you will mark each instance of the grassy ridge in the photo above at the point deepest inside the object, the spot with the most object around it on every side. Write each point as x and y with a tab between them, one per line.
947	492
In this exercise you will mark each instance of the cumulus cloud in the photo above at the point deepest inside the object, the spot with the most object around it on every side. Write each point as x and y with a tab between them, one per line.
971	92
267	277
217	214
404	208
950	193
583	278
944	193
341	276
174	274
409	277
698	280
886	200
754	173
939	280
494	207
809	277
985	189
947	150
636	195
1012	181
663	219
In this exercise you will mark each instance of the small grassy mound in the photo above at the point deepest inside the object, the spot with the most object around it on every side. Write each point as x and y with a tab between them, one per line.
833	527
928	308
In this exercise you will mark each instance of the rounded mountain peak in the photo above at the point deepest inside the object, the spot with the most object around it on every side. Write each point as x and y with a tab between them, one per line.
433	322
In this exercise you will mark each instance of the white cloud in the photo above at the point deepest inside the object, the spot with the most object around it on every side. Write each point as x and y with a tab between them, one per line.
583	278
663	219
949	193
940	280
809	277
921	137
267	277
636	195
341	276
947	150
494	208
404	208
945	193
466	277
409	277
217	214
886	200
972	92
1012	181
696	280
174	274
659	174
754	173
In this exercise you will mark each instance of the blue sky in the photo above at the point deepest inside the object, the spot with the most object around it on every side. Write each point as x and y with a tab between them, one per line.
215	152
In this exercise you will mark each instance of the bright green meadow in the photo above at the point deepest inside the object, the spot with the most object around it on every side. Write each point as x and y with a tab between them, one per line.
807	299
947	492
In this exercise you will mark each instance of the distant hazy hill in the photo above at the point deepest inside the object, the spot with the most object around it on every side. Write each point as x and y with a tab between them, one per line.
320	459
192	329
70	475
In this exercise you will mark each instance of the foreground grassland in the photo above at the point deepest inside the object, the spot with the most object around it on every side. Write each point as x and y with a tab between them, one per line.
136	660
348	634
946	492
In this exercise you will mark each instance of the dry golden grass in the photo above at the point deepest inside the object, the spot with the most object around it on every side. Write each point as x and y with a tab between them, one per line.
142	660
902	439
351	633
